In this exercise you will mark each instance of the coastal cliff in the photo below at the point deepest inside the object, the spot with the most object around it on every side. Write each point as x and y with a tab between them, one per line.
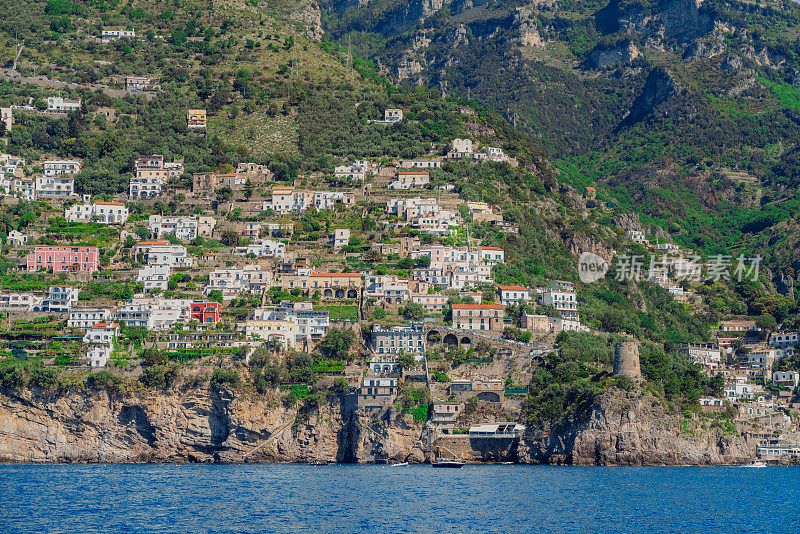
196	426
622	428
635	429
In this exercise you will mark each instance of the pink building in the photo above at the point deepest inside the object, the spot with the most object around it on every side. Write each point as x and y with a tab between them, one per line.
63	259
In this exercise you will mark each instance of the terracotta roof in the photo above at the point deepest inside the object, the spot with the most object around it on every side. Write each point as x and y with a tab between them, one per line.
490	248
351	275
106	325
514	288
478	306
152	243
110	203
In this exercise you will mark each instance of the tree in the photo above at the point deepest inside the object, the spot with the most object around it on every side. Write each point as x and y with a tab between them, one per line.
336	344
230	238
215	295
248	189
406	360
224	194
413	311
766	322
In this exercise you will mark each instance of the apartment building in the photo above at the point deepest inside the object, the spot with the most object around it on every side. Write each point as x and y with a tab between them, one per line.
163	253
478	316
58	167
86	317
154	277
398	339
100	212
63	259
153	313
185	228
565	302
57	186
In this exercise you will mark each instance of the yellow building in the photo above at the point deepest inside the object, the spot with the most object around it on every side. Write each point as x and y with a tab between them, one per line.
196	118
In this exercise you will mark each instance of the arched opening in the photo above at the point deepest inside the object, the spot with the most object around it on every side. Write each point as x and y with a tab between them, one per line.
490	396
340	293
352	294
433	336
328	293
450	339
466	341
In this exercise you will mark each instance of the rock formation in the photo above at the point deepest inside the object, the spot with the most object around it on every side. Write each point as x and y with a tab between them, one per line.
634	429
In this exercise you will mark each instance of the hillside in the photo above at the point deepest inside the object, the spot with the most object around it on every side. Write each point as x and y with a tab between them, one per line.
655	131
618	92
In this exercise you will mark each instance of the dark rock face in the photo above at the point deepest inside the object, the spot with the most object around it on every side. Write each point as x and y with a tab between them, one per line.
660	86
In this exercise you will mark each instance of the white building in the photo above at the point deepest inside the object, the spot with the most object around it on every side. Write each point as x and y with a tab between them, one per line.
100	340
265	248
410	180
496	154
154	277
392	115
708	356
430	302
153	313
409	209
420	164
16	239
349	172
87	317
786	378
151	175
27	301
497	430
513	294
492	255
56	104
60	186
57	167
100	212
163	253
185	228
340	237
60	299
114	34
565	302
781	339
231	282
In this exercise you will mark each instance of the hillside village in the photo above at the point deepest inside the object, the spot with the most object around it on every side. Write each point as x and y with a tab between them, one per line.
367	282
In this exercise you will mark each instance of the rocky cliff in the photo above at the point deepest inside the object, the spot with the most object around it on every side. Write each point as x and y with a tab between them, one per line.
635	429
196	426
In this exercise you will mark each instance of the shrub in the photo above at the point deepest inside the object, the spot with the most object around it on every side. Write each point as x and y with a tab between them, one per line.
222	377
104	380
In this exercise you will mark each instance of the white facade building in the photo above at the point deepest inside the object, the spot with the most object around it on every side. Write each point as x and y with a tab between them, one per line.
87	317
100	212
57	167
56	104
58	186
154	277
163	253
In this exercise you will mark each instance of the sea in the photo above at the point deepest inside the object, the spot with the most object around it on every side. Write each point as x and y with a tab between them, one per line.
342	498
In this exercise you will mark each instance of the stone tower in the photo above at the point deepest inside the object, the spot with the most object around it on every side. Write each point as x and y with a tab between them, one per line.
626	360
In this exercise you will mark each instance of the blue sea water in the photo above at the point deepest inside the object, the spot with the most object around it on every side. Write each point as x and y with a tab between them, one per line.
262	498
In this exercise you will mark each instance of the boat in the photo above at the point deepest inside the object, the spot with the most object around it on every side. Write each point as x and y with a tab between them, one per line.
319	462
400	464
448	463
755	463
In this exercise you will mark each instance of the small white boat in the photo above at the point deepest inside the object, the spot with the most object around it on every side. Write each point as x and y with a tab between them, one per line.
756	463
400	464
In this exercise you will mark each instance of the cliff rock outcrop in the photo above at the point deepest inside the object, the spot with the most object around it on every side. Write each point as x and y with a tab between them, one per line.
195	426
635	429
